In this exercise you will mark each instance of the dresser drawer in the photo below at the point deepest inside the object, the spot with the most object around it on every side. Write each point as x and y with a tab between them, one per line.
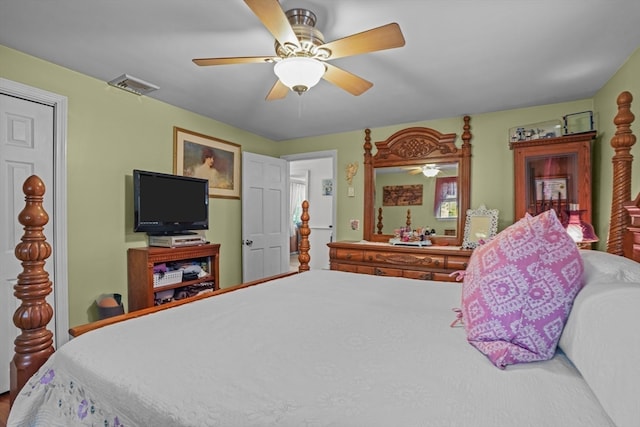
443	277
405	259
420	275
457	263
385	271
349	268
348	255
366	269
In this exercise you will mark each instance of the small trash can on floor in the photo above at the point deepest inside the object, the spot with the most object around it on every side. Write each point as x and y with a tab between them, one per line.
109	305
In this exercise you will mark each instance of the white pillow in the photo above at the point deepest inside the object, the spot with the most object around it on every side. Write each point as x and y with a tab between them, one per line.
604	267
602	337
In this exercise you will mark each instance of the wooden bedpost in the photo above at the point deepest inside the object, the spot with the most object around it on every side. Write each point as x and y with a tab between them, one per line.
34	345
379	226
368	221
621	142
303	256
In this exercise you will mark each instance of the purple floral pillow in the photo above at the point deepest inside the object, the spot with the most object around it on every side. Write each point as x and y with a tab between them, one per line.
518	290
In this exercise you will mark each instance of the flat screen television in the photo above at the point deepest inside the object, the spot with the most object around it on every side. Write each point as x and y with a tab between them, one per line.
165	204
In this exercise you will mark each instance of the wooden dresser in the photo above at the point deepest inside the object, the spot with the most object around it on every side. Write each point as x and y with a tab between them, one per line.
406	150
429	263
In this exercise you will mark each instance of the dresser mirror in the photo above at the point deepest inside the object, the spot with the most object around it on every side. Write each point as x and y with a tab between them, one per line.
431	202
417	177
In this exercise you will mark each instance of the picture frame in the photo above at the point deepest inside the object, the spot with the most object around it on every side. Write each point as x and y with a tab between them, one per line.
327	187
578	122
481	226
551	188
402	195
203	156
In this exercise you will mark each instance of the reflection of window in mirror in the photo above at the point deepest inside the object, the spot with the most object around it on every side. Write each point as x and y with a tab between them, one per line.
446	197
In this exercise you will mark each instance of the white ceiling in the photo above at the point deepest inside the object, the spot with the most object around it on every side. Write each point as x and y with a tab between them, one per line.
461	56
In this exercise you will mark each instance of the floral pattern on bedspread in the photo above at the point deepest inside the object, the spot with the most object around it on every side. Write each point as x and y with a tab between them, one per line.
66	400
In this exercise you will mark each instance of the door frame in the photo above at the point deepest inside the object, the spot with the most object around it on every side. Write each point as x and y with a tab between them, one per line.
313	155
59	194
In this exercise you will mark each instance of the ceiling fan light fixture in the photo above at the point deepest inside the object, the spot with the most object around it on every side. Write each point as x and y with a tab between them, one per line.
299	73
430	171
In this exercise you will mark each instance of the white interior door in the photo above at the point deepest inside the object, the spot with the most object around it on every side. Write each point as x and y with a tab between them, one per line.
265	202
33	125
26	148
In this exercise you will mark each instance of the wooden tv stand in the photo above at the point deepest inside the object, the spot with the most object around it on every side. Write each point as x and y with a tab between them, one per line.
140	263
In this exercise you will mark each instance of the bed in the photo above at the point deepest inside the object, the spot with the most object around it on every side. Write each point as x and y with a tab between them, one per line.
330	348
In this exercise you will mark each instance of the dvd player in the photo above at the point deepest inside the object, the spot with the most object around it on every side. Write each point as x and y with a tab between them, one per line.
177	240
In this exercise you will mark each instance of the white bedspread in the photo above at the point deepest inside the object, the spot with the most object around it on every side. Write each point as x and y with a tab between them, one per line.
322	348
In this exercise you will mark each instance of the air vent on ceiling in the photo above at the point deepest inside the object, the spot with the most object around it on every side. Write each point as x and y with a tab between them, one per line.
133	85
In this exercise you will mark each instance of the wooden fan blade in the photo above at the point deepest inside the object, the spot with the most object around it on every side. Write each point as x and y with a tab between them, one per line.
278	91
274	19
415	171
386	37
345	80
237	60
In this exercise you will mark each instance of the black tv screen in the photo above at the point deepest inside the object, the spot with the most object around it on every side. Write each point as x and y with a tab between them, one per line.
169	204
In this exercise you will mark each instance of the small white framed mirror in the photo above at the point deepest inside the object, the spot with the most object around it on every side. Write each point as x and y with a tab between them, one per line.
480	226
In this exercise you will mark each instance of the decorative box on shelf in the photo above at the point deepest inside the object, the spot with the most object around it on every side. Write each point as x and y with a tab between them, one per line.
167	278
578	122
548	129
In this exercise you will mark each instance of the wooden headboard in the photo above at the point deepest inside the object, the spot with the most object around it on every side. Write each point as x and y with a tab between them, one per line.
34	345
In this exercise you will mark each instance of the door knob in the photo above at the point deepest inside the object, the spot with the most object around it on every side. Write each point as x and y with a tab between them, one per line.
247	242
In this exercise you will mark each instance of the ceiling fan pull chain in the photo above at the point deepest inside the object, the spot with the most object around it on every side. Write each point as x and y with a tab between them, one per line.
300	99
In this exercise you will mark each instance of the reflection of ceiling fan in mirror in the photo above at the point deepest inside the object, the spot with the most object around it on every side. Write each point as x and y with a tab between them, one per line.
429	170
302	55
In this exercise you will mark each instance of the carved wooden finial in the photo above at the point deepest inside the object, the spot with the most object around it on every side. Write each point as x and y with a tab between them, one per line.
303	256
34	345
379	225
466	132
367	145
622	160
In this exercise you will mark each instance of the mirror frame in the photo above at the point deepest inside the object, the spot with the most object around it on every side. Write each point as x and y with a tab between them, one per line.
409	147
481	212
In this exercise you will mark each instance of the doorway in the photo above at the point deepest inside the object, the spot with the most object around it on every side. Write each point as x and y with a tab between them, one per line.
319	170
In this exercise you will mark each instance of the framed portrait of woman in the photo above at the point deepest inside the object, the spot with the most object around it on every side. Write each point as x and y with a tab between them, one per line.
202	156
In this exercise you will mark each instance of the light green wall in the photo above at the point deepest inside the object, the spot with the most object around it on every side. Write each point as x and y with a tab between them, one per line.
111	132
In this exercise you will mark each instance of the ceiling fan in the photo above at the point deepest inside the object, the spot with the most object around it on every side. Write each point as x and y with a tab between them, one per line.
301	54
429	170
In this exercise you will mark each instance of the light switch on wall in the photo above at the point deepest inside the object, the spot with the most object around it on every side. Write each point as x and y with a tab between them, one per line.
351	192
